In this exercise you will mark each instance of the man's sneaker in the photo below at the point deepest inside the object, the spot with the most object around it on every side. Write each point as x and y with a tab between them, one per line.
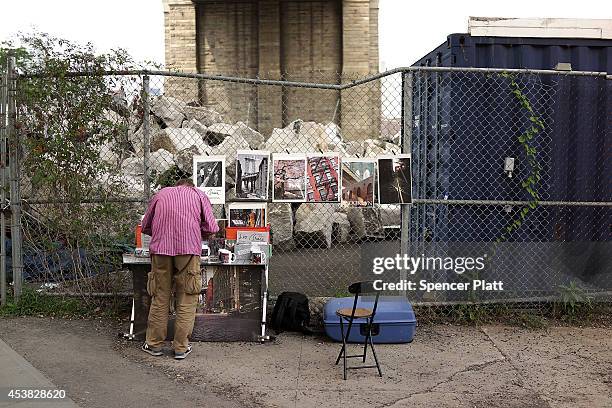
152	351
181	356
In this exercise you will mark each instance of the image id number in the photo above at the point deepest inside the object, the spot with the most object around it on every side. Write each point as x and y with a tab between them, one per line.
30	394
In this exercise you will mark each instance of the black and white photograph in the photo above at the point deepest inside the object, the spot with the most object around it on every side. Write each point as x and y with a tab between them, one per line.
289	178
247	214
394	179
252	168
358	182
323	178
209	176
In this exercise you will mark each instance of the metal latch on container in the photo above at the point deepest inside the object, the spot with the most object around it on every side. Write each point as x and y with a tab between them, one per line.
563	66
509	166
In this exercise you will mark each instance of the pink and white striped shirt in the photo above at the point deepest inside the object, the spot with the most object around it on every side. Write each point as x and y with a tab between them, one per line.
176	219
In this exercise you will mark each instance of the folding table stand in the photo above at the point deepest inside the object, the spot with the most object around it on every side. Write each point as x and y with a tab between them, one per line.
139	266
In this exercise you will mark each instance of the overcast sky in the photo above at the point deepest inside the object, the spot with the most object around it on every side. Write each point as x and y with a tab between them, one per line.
408	29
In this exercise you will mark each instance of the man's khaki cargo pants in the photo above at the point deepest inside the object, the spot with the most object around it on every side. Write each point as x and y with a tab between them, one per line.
185	271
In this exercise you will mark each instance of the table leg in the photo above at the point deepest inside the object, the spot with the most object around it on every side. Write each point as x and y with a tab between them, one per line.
130	335
236	289
264	303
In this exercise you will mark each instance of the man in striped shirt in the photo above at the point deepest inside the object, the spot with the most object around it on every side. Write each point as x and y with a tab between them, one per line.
177	219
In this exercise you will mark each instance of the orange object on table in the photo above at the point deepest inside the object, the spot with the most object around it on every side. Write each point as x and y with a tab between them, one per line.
138	236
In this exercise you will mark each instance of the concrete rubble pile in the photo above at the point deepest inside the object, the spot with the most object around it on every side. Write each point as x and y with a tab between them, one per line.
178	131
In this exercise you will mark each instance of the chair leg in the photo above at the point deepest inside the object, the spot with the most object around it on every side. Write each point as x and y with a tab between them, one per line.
344	367
365	343
344	339
375	357
343	349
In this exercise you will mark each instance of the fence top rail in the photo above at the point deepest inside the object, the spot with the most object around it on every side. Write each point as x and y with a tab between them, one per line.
337	87
513	202
212	77
509	70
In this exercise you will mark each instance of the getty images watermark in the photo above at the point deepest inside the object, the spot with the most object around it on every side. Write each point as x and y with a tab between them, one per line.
412	265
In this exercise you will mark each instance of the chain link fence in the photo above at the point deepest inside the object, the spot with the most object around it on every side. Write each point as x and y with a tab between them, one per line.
510	165
515	167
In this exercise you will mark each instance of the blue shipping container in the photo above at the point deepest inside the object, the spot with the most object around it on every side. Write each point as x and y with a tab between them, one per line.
463	50
466	124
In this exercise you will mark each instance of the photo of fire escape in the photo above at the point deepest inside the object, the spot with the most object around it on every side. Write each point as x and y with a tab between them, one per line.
323	179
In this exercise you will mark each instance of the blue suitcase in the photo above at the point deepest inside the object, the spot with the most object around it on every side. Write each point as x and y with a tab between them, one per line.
394	321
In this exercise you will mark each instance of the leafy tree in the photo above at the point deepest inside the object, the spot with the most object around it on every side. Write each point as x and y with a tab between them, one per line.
73	122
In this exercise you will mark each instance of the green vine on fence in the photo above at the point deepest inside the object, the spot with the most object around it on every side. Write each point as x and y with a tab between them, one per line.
531	182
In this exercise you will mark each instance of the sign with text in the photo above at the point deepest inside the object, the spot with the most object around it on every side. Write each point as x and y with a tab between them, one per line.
246	236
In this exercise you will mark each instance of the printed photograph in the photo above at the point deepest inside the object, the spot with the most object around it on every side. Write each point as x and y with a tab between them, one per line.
323	178
289	178
252	167
394	179
209	176
247	215
358	176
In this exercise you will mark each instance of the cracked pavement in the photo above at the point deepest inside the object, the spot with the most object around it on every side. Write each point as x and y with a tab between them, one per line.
445	366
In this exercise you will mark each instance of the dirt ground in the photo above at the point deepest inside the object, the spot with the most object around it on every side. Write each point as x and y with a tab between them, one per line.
445	366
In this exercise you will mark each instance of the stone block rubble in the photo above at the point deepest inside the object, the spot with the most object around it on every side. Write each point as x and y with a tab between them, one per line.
178	131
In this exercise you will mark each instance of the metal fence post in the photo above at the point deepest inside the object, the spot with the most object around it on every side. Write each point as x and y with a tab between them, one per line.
14	148
3	97
146	143
406	135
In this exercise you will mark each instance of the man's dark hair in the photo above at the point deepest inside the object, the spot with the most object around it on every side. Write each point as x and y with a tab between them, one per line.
184	182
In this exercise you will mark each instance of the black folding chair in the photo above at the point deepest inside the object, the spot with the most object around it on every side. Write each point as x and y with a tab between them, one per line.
348	315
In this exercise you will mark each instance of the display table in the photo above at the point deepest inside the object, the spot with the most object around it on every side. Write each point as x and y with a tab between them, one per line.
232	304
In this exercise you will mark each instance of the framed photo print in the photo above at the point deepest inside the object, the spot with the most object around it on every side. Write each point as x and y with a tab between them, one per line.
289	178
323	178
358	182
252	170
247	214
209	176
394	179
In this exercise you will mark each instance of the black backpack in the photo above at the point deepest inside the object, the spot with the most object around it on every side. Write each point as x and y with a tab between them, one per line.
291	313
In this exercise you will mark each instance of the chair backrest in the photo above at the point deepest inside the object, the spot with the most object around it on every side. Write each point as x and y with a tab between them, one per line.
360	288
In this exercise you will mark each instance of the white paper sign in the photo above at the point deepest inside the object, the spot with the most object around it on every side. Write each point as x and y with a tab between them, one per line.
243	237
